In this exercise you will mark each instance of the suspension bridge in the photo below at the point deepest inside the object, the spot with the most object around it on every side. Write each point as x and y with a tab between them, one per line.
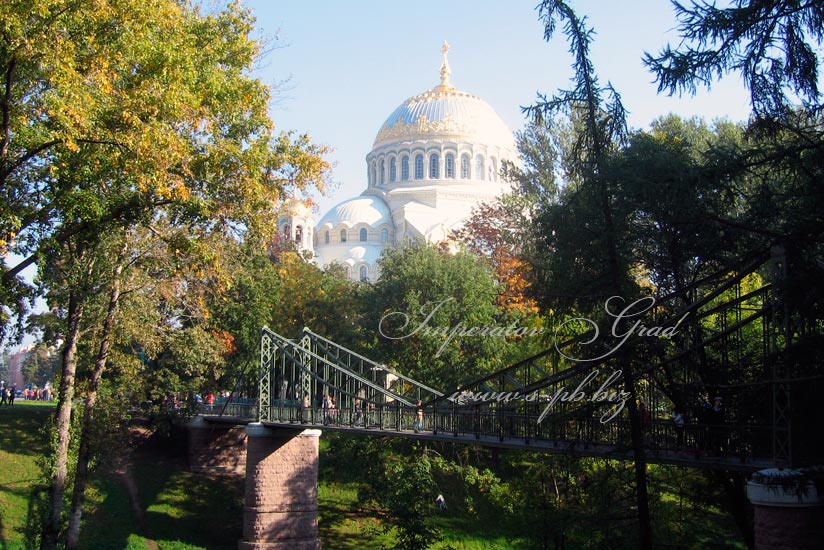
743	334
728	331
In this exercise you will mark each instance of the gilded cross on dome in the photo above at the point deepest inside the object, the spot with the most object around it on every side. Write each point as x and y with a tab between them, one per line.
445	71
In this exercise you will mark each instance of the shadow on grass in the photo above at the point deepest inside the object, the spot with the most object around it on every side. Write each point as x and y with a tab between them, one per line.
108	523
21	429
345	524
177	509
194	509
23	440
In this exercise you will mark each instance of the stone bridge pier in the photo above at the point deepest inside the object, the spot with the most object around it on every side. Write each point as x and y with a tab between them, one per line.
280	509
215	448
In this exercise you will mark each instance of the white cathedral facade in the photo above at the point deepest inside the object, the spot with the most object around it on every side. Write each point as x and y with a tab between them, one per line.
437	156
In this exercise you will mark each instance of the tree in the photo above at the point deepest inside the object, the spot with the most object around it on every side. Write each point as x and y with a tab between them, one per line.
322	300
583	231
681	217
419	309
40	367
771	43
496	231
407	494
123	115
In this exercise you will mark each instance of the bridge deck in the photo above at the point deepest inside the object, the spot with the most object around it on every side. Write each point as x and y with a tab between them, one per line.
687	457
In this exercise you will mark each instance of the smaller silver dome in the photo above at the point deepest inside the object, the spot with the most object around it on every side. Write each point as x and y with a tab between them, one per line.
370	210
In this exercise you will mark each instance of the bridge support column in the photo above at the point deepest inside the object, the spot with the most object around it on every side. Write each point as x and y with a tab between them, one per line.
280	510
214	448
789	510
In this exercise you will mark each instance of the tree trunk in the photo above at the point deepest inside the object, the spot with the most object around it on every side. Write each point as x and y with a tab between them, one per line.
640	463
51	528
81	477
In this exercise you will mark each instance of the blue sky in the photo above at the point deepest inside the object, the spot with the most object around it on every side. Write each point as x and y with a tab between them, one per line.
340	68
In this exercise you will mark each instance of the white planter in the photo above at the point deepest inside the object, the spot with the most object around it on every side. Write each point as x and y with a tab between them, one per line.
783	488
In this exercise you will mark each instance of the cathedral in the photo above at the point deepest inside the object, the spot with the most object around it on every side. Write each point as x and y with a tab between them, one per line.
437	156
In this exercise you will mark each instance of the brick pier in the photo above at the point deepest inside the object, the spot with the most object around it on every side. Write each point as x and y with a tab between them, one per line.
214	448
280	510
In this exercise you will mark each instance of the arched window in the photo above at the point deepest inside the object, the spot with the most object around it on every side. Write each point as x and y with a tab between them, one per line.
493	173
418	167
363	234
326	237
433	167
393	170
347	272
479	167
465	167
384	235
383	172
374	179
364	274
343	235
449	170
298	233
405	168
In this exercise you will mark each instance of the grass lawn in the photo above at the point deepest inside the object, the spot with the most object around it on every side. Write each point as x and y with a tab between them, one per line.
22	443
181	510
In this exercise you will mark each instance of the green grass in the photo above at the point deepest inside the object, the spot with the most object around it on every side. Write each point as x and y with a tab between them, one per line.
183	511
22	442
344	525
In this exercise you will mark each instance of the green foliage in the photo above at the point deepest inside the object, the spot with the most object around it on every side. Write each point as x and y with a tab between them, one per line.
771	43
408	497
678	216
424	294
323	300
116	113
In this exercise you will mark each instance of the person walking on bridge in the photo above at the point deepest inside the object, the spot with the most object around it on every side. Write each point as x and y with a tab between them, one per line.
418	417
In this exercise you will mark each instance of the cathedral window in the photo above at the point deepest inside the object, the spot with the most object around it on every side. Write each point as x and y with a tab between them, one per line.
449	170
363	234
326	237
347	272
384	235
374	179
479	167
465	167
393	170
298	233
493	173
343	235
383	172
433	167
418	167
405	168
364	275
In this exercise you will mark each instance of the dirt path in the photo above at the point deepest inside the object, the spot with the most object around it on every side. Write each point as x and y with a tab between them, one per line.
124	473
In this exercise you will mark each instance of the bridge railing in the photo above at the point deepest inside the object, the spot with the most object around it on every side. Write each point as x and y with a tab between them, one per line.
743	442
244	408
